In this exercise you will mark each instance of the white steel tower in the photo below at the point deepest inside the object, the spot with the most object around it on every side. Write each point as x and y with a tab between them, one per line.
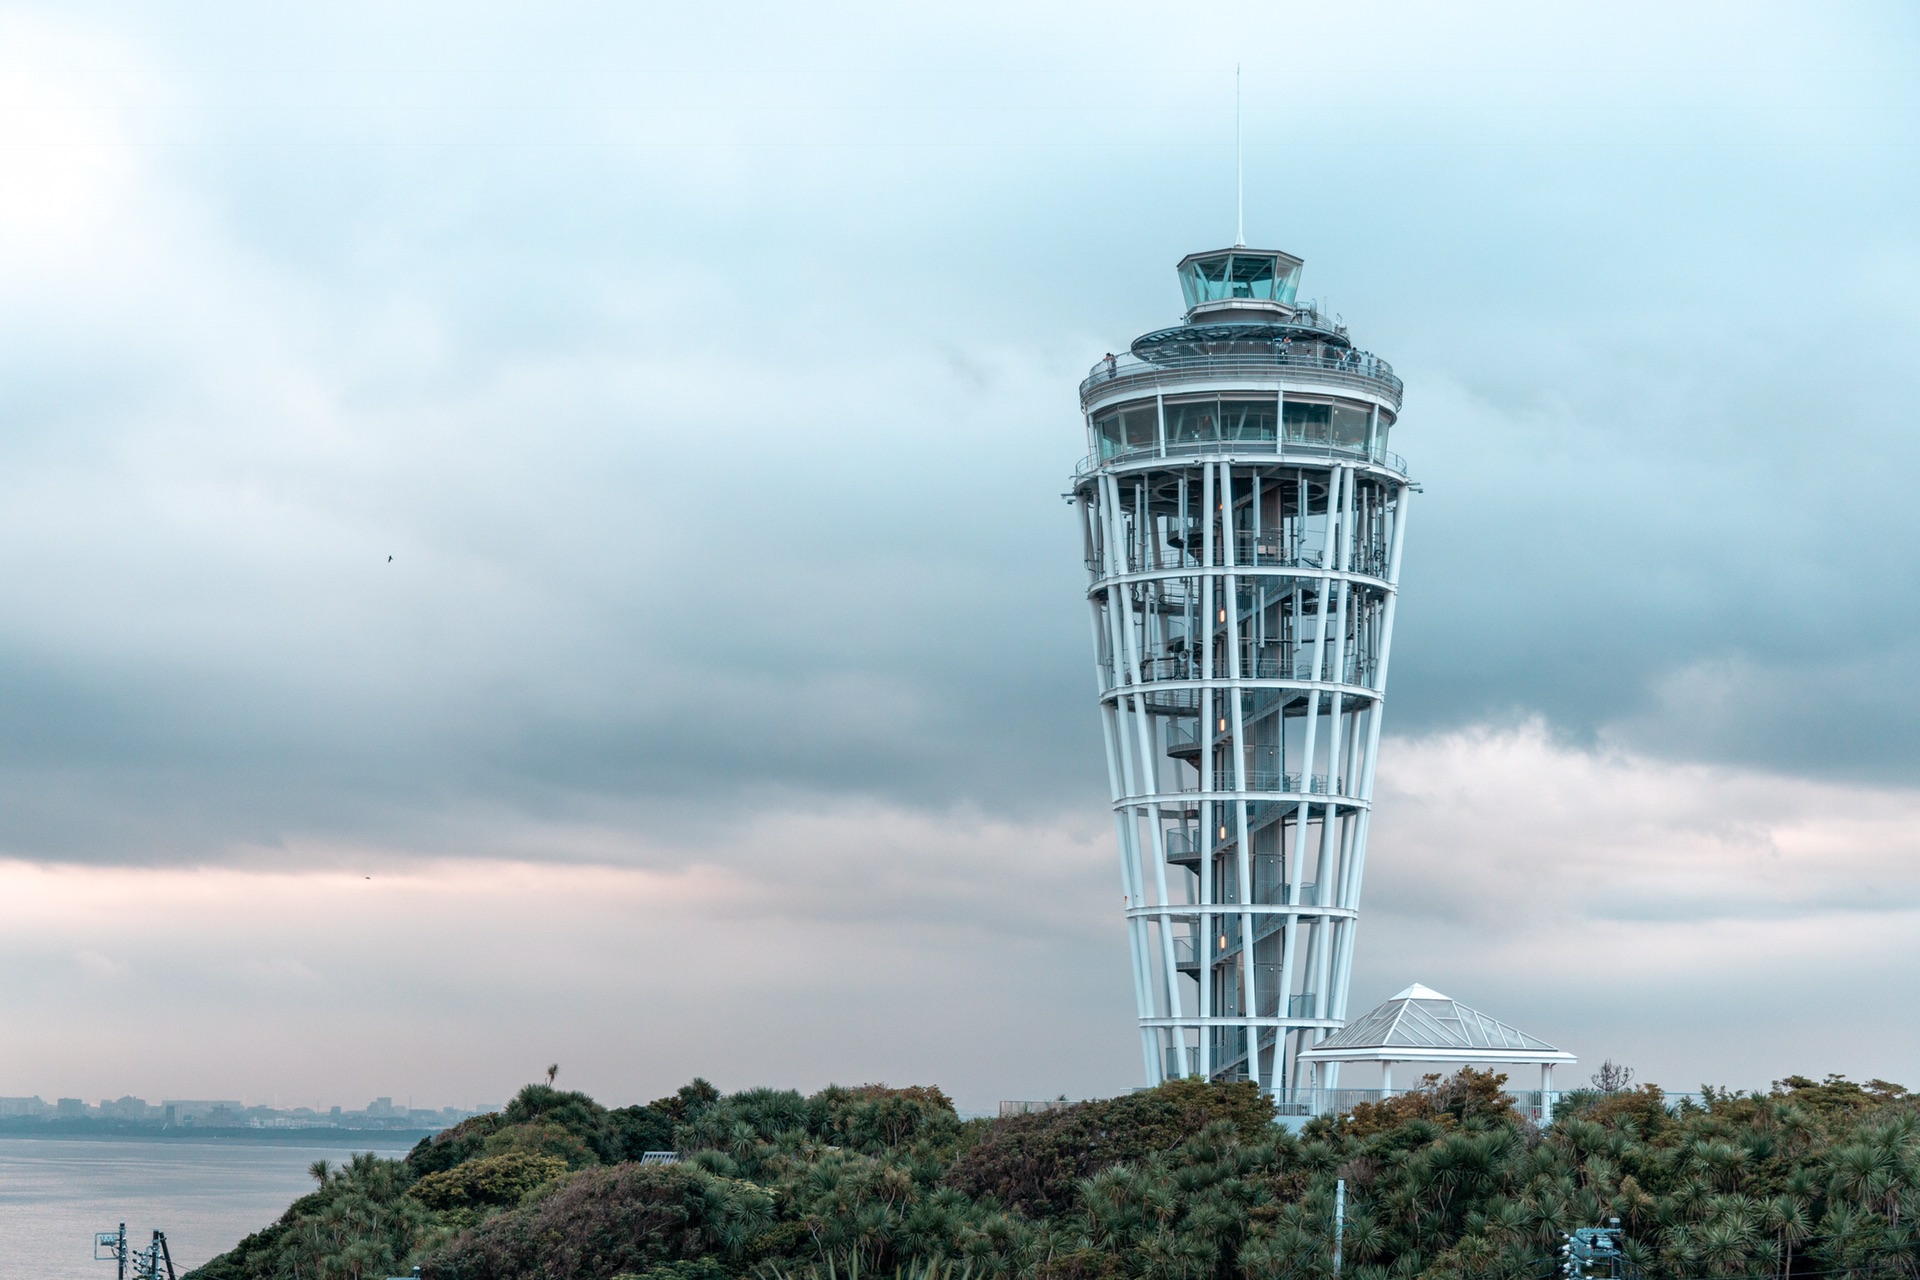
1243	524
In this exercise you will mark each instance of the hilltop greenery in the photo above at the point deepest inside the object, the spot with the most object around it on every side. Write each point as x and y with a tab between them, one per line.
1190	1181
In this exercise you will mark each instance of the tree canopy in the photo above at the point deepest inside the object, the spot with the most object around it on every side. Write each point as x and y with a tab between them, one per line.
1190	1181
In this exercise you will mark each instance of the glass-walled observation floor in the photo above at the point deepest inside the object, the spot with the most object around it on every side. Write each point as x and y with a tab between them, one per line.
1193	423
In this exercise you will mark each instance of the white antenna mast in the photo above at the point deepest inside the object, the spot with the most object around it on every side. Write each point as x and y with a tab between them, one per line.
1239	171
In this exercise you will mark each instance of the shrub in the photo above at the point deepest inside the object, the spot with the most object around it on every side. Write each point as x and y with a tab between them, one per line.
606	1221
1466	1099
1645	1108
702	1269
873	1118
449	1147
638	1130
760	1113
494	1180
574	1112
542	1138
1033	1163
1838	1094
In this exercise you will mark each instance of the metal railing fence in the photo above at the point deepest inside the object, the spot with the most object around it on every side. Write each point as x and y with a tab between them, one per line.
1317	784
1254	666
1282	449
1351	369
1533	1104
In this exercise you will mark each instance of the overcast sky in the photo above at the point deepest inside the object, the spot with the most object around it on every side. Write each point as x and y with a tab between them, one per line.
532	533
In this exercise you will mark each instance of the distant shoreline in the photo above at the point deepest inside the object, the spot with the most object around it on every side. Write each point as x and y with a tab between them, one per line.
357	1139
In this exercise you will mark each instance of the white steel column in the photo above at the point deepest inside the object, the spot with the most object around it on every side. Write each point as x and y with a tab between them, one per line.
1133	709
1243	860
1209	810
1373	736
1125	827
1329	824
1304	812
1128	871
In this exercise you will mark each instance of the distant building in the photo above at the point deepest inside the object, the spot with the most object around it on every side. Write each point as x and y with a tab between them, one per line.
202	1111
22	1107
68	1108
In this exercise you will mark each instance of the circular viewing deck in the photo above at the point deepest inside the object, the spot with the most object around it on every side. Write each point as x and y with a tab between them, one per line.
1352	370
1265	447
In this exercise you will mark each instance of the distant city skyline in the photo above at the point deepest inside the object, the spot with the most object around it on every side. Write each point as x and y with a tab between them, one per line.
227	1110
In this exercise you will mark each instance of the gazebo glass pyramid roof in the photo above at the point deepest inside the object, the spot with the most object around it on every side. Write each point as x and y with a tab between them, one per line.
1421	1025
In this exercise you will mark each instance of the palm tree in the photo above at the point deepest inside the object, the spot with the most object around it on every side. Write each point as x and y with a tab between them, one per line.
1787	1218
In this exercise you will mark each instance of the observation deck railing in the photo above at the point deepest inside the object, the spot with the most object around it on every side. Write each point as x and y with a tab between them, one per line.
1266	551
1282	448
1270	916
1313	784
1266	978
1229	1057
1354	369
1188	843
1530	1103
1253	666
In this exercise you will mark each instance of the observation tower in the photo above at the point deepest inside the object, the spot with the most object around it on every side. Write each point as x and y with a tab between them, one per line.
1243	525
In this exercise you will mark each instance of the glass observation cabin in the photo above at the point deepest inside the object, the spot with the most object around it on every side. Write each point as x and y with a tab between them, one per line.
1239	275
1250	366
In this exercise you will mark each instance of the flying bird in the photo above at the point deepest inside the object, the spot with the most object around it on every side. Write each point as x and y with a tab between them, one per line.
389	559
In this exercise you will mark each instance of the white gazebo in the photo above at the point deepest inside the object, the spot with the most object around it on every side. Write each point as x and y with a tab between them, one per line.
1422	1027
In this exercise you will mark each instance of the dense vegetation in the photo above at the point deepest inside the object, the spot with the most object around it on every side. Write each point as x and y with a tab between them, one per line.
1189	1181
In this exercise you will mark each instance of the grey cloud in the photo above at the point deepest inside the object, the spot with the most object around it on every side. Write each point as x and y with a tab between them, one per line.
717	430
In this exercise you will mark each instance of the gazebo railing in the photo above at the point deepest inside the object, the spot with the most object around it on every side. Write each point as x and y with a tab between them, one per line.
1536	1105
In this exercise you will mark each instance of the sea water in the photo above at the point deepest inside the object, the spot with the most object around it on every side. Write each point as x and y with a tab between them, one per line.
56	1193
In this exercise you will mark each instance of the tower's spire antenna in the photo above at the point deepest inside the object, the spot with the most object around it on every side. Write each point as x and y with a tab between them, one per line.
1239	170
